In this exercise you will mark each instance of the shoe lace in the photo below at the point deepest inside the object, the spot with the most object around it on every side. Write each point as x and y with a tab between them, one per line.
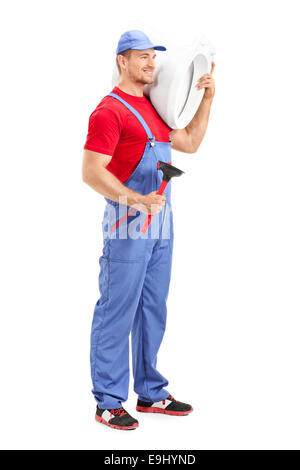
118	411
170	397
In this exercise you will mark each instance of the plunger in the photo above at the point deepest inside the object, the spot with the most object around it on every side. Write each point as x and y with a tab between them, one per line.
169	171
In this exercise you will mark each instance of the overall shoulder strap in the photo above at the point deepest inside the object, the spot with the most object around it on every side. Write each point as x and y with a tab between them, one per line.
137	115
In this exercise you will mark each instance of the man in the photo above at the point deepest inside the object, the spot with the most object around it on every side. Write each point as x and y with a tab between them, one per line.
126	140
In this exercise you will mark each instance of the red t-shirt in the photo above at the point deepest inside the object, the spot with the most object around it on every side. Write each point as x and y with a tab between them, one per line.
114	130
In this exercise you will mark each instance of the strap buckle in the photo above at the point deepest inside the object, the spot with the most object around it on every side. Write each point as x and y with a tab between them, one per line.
152	141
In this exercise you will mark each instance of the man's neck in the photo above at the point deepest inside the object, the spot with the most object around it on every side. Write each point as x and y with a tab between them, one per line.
132	89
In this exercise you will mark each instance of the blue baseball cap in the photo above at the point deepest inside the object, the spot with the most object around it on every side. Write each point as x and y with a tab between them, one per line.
136	39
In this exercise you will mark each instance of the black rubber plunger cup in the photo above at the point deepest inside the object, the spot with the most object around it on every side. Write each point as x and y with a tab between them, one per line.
169	171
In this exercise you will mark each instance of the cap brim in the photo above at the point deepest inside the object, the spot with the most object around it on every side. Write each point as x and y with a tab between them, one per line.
145	46
160	48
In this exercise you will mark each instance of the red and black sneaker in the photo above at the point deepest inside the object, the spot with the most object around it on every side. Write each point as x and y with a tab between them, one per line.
169	406
117	418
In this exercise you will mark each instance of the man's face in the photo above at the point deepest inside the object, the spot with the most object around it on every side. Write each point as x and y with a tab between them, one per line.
141	66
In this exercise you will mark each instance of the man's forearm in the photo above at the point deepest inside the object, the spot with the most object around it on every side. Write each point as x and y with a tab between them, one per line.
198	125
105	183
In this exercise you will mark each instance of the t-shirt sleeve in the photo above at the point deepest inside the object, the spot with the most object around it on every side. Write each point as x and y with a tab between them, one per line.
103	132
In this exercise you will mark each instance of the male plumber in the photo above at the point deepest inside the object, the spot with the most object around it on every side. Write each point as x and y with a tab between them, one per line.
126	139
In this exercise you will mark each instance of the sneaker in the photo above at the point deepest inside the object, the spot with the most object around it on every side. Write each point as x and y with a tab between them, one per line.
169	406
116	418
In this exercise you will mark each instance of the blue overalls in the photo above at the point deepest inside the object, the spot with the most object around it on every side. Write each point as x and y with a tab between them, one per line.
134	279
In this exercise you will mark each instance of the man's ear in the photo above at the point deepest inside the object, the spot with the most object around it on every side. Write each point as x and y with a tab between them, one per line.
121	60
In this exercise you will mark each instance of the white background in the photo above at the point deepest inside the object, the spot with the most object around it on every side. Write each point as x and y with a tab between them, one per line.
232	347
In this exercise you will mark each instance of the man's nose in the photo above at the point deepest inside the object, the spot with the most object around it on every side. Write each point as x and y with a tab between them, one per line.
151	63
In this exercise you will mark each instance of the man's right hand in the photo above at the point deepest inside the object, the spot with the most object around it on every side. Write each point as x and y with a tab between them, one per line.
151	203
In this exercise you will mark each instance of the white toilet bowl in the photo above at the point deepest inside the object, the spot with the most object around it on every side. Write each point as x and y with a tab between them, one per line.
173	93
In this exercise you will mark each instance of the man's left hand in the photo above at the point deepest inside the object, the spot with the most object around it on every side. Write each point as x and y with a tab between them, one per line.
207	81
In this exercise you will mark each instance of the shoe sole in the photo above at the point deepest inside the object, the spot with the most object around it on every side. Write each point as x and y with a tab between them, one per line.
150	409
125	428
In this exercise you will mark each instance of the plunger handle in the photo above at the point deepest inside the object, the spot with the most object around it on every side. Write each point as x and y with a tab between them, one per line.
122	219
149	217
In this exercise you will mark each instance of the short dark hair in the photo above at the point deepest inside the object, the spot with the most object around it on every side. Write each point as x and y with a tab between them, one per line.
126	54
